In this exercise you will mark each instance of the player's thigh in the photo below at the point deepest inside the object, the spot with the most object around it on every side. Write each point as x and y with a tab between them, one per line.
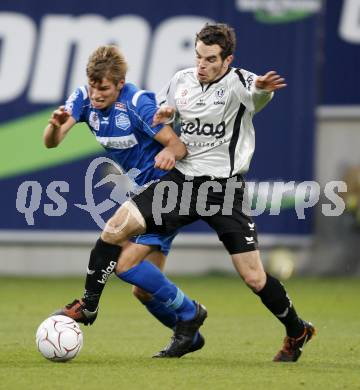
165	205
237	231
160	242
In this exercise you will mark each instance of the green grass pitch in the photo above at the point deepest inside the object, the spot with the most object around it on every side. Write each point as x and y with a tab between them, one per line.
241	338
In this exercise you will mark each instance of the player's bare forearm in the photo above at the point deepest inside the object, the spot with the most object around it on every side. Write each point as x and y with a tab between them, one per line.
52	137
60	123
177	148
173	150
167	158
261	98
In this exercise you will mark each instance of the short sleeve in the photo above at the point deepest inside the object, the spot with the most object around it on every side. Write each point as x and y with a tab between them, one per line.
167	93
74	105
242	88
145	107
253	98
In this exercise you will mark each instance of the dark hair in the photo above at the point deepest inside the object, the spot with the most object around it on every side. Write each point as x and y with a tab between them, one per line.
220	34
106	62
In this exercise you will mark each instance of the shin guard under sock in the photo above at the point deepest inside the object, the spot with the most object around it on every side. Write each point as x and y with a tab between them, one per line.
148	277
275	298
162	313
103	259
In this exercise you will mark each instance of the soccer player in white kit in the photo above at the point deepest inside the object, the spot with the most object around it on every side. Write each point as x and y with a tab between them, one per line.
216	104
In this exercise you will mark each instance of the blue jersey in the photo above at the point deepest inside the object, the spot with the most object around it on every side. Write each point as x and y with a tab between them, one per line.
124	129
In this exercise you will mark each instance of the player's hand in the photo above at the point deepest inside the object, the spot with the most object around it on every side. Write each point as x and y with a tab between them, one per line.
165	160
271	81
59	117
163	114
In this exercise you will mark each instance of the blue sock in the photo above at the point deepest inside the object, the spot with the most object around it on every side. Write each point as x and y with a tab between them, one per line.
162	313
165	315
148	277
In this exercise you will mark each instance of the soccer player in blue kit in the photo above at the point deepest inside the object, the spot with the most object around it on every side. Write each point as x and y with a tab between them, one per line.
120	116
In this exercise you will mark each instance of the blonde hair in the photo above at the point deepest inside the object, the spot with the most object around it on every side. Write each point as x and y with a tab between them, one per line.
106	62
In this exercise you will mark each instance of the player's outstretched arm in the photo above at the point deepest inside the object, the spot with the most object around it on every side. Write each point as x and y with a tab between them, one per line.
264	87
174	149
59	125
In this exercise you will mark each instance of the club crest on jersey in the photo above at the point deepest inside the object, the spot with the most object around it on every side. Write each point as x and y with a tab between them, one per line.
94	120
120	107
122	121
219	93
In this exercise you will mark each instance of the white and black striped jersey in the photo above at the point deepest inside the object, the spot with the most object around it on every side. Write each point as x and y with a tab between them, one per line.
216	120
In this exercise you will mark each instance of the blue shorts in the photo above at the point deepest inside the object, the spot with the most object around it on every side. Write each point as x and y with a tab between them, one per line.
162	241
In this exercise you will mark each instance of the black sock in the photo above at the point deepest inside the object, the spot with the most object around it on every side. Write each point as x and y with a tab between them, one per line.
274	297
103	259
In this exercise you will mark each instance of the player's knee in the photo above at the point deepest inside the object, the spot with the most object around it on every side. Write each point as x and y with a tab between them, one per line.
109	238
126	262
141	295
125	223
122	266
255	280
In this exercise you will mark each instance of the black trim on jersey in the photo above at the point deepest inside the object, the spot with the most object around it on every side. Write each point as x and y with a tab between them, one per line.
235	137
236	128
241	77
215	81
167	93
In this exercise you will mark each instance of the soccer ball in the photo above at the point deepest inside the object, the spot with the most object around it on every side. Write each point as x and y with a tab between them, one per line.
59	338
281	263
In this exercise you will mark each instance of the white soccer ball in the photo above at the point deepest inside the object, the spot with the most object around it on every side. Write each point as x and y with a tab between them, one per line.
281	263
59	338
